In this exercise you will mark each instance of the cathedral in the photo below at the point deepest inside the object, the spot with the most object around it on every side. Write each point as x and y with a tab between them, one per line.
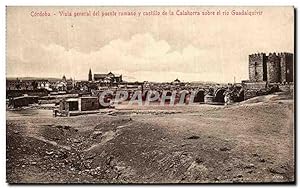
105	78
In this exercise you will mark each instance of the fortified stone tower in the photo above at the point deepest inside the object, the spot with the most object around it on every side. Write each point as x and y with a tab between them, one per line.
273	68
286	64
257	67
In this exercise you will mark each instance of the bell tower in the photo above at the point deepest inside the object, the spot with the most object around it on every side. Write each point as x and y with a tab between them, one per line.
90	75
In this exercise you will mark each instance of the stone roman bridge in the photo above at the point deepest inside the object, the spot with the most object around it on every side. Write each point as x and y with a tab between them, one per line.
216	93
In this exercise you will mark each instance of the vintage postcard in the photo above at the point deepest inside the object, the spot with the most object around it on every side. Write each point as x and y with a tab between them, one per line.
150	94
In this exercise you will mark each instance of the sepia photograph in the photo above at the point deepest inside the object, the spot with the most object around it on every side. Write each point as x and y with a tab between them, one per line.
150	94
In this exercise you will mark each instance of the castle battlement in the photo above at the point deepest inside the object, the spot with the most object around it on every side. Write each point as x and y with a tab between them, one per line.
273	57
257	55
261	54
285	54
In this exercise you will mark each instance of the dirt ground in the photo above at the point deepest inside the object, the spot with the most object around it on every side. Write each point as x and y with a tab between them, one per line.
248	142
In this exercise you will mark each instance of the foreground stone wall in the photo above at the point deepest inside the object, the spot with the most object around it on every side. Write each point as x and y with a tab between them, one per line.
90	103
251	89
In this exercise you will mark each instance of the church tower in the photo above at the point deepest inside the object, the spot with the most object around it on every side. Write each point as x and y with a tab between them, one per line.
90	75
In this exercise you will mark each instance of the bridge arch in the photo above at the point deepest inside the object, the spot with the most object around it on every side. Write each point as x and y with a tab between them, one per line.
199	96
219	95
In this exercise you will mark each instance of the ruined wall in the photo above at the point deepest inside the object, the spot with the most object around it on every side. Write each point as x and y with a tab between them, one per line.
91	103
251	89
257	67
72	106
273	68
20	102
286	88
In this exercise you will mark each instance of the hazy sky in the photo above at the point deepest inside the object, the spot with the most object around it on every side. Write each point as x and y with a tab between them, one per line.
152	48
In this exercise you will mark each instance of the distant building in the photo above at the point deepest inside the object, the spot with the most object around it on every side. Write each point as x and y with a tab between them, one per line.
32	85
27	84
64	79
